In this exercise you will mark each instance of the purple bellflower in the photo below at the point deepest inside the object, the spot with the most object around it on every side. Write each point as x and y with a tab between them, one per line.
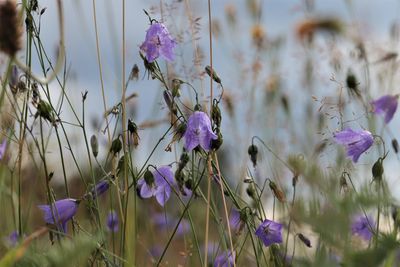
386	105
12	239
270	232
112	221
160	187
356	142
361	226
63	211
158	42
225	259
99	189
199	132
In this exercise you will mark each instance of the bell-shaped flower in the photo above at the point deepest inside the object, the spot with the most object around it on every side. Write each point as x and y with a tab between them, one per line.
159	186
362	226
158	42
199	132
355	142
112	221
385	105
269	232
60	212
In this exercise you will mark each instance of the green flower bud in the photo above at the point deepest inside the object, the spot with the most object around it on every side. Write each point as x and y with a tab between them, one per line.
377	169
116	146
212	74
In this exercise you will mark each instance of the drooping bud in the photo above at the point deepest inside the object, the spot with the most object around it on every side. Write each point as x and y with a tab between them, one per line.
305	240
352	84
95	145
176	87
116	146
212	74
377	170
251	192
180	131
217	143
277	192
253	151
295	179
134	75
395	146
133	130
10	31
216	114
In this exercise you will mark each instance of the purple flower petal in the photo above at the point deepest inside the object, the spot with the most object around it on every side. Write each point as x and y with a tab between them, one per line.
355	142
225	259
199	132
158	42
63	210
269	232
361	226
146	191
386	105
112	221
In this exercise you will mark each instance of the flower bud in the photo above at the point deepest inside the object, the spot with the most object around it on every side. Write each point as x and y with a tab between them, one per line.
252	151
116	146
170	102
10	30
377	169
176	87
277	192
133	130
212	74
395	146
251	192
216	114
217	143
305	240
95	145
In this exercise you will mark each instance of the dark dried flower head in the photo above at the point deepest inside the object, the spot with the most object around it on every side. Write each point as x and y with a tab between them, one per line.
377	169
133	130
305	240
116	146
253	151
95	145
10	31
134	75
395	146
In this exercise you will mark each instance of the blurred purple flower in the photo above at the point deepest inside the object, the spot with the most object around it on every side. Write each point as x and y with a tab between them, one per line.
199	132
225	259
167	222
361	226
3	147
269	232
63	210
100	188
112	221
236	222
12	239
161	188
158	42
356	142
386	105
